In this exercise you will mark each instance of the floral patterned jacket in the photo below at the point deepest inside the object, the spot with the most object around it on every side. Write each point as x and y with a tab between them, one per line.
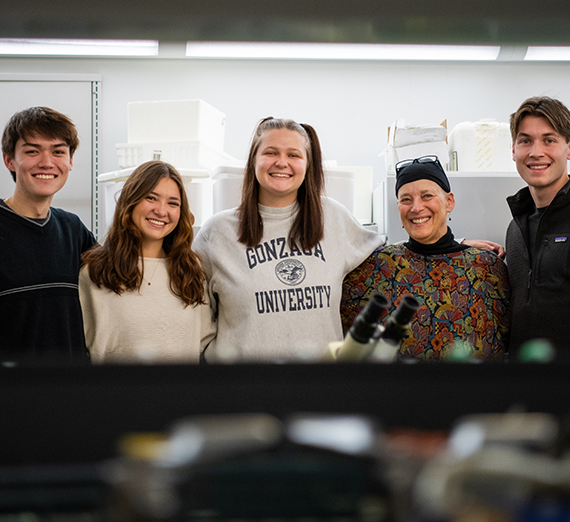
463	300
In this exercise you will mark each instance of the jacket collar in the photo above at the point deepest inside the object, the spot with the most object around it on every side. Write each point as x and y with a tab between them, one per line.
522	202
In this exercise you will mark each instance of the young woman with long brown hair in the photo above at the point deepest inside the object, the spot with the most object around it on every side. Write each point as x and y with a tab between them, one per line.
275	264
143	290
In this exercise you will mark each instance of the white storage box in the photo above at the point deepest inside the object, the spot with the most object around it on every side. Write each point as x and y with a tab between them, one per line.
196	183
184	155
111	184
413	141
176	120
402	135
363	181
339	185
481	146
434	148
228	180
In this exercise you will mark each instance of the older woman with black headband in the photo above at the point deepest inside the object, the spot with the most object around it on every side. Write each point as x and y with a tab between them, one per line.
462	290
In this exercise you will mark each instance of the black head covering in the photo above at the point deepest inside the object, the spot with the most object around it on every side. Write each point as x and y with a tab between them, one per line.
416	170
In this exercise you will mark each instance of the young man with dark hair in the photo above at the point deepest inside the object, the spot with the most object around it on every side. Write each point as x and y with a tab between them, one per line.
40	246
538	237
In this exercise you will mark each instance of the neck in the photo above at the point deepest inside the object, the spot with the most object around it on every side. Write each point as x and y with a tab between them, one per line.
444	245
29	208
153	249
277	202
543	196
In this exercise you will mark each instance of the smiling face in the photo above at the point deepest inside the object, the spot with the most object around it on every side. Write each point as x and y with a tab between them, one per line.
280	166
540	154
157	215
423	207
41	165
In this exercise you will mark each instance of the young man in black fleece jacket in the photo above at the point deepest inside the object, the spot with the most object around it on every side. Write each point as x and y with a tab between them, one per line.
538	237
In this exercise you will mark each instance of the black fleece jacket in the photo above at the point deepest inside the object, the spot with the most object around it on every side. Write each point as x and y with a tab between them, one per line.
540	299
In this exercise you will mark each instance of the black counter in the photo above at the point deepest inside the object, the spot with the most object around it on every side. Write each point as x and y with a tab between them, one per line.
76	414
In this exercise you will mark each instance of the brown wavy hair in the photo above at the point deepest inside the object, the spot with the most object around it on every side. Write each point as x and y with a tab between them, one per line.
116	264
308	228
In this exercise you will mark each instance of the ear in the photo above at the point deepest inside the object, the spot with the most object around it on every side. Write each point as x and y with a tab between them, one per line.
513	150
450	202
8	161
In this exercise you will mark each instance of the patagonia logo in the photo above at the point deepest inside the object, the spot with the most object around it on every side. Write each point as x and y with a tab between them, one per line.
560	239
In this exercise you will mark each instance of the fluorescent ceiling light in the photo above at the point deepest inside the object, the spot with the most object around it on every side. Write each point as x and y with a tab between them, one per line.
327	51
548	54
49	47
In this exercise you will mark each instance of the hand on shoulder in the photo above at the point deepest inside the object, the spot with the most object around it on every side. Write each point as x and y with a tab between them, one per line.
485	244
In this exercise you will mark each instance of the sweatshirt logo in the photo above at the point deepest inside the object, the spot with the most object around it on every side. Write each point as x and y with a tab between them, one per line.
561	239
291	272
277	250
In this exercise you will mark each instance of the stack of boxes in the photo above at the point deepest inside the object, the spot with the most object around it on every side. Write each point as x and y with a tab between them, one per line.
189	134
413	141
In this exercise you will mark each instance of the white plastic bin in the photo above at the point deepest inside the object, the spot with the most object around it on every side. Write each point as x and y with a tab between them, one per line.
339	185
227	185
481	146
413	141
196	183
184	154
110	185
176	120
228	181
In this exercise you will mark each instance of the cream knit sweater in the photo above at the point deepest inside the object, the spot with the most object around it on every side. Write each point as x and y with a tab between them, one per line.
148	326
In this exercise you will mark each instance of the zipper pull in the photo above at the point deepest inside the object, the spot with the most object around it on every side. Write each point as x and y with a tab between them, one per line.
529	278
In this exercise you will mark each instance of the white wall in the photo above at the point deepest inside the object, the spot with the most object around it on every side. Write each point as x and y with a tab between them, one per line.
351	104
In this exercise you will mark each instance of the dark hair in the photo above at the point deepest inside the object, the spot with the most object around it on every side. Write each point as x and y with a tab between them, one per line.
41	121
553	110
308	227
115	264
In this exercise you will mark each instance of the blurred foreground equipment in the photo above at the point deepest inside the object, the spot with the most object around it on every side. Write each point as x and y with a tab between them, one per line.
511	466
252	466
